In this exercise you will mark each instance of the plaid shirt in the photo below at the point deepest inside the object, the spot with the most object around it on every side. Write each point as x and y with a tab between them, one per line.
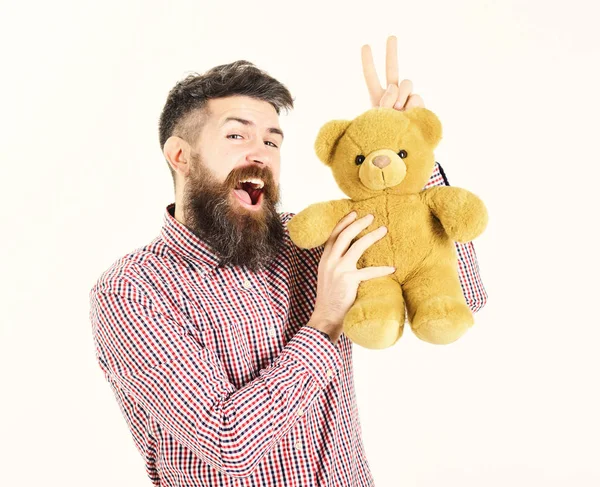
217	376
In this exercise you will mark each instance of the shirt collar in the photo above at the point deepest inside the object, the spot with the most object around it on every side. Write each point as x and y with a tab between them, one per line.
182	241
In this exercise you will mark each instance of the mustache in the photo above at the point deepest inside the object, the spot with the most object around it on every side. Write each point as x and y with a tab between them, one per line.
253	171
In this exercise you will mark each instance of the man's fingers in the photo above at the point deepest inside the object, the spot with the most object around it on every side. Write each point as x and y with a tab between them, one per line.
371	78
400	97
404	91
414	100
391	61
372	272
343	223
363	243
390	96
347	235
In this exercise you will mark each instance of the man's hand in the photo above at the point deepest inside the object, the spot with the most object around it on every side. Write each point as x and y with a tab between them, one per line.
395	96
338	278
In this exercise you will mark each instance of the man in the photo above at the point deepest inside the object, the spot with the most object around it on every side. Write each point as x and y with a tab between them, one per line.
220	339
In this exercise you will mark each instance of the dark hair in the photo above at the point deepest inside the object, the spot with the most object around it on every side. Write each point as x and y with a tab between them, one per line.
185	109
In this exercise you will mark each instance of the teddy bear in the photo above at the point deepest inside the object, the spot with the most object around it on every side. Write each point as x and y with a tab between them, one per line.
382	160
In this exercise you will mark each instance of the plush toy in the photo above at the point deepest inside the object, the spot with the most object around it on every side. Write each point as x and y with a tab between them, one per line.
382	160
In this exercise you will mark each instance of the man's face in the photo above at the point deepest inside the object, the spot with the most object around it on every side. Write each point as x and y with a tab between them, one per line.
237	217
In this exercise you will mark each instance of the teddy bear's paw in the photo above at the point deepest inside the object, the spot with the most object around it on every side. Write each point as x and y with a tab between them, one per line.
300	235
374	333
442	320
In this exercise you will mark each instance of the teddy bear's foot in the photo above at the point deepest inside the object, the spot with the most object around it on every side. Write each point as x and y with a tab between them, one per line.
442	320
375	334
376	319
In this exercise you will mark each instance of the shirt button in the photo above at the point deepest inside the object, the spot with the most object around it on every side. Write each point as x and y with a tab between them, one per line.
299	412
247	284
298	445
329	373
272	332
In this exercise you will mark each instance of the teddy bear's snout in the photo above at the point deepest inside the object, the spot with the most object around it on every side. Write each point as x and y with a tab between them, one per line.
381	161
382	169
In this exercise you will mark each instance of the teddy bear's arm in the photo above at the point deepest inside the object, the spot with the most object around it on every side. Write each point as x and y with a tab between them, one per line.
313	225
462	214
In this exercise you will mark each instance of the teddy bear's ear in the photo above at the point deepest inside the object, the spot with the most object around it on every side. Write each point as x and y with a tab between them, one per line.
327	138
428	123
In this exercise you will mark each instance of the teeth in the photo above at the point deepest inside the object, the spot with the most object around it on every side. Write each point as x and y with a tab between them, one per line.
256	181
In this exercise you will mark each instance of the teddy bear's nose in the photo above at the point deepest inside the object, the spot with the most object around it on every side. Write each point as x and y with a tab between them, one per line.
381	161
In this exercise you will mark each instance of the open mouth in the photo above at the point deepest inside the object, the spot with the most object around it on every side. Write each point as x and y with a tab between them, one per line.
249	191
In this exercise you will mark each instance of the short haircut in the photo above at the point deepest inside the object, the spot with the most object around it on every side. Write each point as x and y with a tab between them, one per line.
185	110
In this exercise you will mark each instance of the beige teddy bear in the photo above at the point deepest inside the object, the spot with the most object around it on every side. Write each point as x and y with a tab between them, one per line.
382	160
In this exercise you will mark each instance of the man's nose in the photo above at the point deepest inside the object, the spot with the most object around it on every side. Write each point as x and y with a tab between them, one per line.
260	154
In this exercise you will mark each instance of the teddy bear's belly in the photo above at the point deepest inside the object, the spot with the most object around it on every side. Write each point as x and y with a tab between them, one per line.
414	239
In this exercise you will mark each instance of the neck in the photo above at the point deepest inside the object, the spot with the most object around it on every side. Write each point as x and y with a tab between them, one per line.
178	214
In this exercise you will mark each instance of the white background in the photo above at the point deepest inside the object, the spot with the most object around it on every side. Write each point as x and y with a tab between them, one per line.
514	402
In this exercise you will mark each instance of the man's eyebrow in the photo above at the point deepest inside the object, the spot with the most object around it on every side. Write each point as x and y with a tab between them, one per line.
273	130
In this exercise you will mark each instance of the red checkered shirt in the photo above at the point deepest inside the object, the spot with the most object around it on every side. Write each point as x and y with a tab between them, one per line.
217	376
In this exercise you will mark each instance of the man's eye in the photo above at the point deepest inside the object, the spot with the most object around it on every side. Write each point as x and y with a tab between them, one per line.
238	135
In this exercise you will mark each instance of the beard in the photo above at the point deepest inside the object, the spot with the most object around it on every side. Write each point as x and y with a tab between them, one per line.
239	236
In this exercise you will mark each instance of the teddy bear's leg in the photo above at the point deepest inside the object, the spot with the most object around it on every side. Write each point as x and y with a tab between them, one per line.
376	319
437	310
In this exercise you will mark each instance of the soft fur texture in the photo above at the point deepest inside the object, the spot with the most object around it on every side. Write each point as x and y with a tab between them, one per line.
422	225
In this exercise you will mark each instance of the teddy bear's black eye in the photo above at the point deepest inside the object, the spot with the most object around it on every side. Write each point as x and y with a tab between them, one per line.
359	160
403	154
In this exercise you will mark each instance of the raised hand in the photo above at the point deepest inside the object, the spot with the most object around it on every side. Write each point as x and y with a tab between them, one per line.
398	96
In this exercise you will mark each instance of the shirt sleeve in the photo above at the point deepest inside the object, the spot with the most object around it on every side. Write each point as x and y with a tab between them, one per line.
326	335
183	386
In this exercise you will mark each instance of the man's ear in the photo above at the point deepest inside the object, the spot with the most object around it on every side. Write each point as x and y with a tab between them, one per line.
177	153
328	137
